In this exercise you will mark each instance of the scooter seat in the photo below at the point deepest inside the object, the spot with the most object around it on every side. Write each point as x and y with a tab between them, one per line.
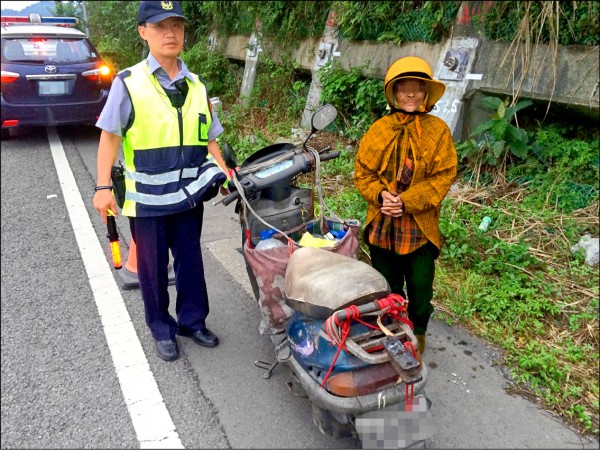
319	282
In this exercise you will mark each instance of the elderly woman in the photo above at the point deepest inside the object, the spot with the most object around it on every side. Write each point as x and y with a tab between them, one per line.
404	168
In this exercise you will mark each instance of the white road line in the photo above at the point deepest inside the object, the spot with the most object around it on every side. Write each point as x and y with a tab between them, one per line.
149	415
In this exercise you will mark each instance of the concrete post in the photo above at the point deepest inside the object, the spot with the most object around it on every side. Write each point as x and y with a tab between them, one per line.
453	68
249	77
212	40
327	50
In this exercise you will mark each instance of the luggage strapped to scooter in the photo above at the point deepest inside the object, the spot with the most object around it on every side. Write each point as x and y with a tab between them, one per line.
269	265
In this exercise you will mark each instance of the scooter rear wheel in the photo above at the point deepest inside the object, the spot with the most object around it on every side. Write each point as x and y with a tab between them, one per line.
328	424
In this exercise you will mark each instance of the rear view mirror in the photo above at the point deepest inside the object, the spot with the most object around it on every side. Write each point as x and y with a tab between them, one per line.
323	117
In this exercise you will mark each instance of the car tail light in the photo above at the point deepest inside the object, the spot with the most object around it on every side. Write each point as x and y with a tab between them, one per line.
9	77
10	123
102	72
363	381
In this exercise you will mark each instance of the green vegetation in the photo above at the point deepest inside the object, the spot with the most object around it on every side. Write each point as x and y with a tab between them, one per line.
272	110
397	22
289	21
357	97
501	139
280	21
519	286
567	23
221	75
113	30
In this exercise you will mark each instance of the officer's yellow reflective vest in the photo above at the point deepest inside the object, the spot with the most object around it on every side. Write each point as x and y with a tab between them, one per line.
165	148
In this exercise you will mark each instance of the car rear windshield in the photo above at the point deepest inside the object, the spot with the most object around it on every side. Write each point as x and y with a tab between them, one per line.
45	50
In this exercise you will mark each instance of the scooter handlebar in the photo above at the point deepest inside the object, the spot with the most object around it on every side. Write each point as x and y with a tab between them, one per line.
230	198
255	181
329	155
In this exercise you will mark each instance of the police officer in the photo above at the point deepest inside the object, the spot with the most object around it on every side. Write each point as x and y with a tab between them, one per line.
161	113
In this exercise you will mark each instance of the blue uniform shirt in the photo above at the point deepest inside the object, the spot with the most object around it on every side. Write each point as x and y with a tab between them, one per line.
115	114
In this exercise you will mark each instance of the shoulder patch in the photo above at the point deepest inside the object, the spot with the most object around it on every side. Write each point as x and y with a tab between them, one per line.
124	74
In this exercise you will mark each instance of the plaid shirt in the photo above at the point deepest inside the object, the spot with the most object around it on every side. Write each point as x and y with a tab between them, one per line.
387	143
401	234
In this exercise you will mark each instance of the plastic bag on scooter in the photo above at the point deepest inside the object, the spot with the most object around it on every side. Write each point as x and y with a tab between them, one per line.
269	266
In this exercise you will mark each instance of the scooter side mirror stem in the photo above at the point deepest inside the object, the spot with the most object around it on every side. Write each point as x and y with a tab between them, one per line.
308	138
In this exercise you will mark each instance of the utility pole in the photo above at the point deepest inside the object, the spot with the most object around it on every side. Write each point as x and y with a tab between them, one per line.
86	18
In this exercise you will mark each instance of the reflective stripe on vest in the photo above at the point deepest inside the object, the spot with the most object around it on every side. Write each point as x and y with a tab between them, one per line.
164	172
180	196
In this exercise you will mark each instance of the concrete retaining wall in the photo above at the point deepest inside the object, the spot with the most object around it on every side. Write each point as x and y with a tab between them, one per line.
567	77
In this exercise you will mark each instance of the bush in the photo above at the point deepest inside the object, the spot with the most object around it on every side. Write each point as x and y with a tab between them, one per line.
223	78
360	100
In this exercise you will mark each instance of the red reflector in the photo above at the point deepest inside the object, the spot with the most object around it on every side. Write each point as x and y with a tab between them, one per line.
9	77
93	75
10	123
363	381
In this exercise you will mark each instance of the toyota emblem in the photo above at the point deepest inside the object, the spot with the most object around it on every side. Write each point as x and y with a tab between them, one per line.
50	69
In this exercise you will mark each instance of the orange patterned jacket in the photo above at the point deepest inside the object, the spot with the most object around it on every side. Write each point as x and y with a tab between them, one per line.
377	162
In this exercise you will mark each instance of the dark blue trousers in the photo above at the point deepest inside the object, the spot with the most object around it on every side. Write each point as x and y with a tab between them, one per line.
154	236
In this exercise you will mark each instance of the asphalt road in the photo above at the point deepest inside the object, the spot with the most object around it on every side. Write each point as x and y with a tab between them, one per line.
61	387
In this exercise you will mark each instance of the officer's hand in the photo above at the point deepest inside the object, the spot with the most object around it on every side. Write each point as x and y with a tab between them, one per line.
103	200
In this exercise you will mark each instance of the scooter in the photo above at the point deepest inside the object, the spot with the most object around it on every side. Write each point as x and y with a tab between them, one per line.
345	338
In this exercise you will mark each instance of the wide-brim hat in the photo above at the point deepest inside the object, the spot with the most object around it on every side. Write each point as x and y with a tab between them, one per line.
155	11
415	68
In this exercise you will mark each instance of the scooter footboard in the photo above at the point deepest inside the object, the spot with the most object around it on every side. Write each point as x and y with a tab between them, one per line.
353	405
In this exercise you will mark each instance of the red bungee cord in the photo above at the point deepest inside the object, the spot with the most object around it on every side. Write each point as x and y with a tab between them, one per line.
393	305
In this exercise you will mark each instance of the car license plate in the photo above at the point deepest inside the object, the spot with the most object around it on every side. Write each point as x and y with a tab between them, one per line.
53	87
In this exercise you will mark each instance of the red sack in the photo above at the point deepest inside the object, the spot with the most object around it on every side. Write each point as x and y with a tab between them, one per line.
269	265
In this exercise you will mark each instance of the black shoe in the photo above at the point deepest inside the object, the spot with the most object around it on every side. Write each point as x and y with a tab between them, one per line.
167	349
205	338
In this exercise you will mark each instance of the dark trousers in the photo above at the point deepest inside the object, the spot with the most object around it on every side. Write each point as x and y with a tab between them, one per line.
418	270
154	236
